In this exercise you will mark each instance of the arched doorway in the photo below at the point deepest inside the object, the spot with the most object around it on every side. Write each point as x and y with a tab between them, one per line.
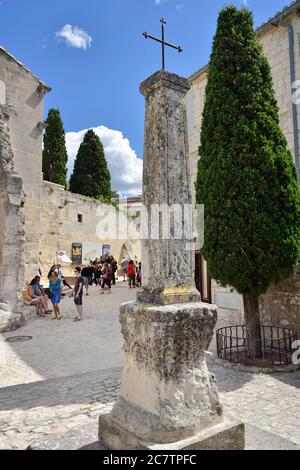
125	252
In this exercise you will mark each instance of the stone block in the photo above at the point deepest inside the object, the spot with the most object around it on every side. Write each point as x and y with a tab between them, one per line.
226	435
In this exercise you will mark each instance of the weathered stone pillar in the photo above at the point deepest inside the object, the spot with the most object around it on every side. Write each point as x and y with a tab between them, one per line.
168	398
168	263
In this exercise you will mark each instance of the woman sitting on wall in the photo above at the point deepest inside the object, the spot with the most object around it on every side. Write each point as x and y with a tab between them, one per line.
32	299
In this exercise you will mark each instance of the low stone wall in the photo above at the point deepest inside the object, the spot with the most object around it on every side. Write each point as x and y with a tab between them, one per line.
281	305
11	321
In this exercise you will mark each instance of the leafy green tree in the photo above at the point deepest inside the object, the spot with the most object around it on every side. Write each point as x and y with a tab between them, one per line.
115	195
91	176
55	156
246	176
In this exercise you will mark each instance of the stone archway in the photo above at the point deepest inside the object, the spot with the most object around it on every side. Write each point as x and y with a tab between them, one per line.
12	234
125	251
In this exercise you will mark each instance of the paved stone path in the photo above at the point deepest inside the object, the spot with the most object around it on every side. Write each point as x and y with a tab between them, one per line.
64	348
38	410
70	373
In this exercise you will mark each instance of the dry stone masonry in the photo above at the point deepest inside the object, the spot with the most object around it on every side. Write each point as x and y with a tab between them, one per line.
12	234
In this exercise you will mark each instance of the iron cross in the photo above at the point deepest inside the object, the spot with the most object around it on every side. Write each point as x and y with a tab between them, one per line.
162	41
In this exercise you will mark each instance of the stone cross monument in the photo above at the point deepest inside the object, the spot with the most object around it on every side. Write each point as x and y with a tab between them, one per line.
168	398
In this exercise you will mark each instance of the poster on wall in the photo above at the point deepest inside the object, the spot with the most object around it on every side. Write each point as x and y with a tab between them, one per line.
105	249
77	253
91	251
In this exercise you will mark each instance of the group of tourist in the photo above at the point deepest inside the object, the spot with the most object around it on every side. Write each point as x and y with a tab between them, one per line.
100	272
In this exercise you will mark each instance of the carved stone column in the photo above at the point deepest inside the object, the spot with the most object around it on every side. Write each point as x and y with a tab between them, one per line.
168	398
168	266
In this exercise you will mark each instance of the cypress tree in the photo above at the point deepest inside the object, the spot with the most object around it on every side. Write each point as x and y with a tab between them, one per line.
55	156
246	176
91	176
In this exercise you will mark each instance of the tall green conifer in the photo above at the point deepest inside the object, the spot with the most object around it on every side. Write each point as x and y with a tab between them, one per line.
91	176
246	176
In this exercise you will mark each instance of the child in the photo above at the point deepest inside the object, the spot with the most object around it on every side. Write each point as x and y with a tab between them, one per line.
55	286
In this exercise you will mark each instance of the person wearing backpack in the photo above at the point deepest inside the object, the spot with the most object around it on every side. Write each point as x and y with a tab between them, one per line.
31	299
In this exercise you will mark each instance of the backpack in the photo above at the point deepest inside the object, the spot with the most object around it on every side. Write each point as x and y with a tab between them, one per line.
27	293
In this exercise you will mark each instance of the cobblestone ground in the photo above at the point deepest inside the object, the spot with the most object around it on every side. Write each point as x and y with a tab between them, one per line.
69	374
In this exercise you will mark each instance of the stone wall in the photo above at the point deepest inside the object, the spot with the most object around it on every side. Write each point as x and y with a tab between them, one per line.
23	94
60	226
12	234
275	44
281	305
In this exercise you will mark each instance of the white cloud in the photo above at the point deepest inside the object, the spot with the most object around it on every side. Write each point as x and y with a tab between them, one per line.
179	7
125	167
75	37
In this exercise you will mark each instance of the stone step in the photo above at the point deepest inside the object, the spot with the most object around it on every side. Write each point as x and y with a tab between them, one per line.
85	438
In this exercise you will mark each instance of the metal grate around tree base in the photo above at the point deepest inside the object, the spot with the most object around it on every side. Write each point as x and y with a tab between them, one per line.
277	346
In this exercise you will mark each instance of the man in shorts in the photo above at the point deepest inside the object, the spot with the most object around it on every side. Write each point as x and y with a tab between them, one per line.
78	294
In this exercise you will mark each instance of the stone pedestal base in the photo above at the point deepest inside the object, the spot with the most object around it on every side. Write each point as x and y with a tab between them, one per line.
227	435
167	393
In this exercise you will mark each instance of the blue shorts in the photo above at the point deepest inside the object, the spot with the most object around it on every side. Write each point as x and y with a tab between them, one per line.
78	300
56	297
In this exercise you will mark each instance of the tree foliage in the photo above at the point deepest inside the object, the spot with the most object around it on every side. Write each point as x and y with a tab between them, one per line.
55	156
91	176
246	175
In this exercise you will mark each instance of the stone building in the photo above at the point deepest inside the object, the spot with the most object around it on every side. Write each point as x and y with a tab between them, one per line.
68	218
21	132
280	39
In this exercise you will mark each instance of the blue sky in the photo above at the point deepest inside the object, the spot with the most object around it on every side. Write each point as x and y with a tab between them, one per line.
93	55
